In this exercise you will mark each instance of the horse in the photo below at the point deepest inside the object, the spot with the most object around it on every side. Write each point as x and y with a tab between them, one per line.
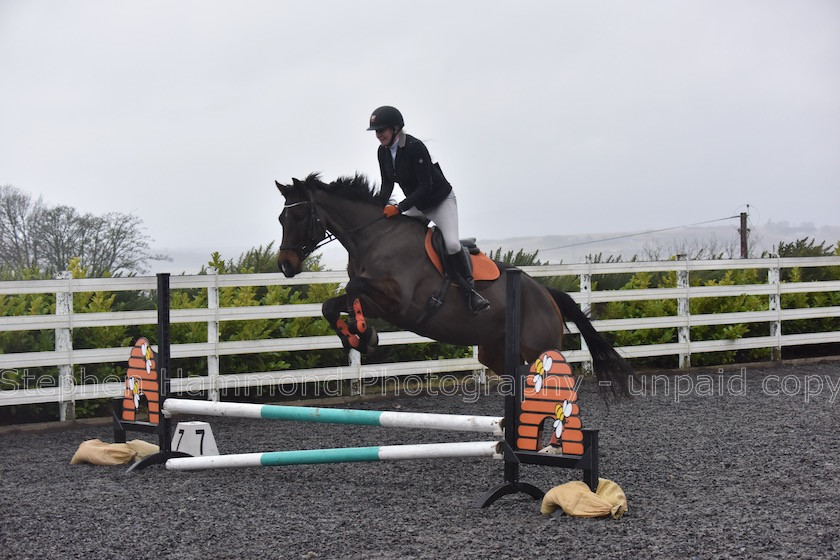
391	277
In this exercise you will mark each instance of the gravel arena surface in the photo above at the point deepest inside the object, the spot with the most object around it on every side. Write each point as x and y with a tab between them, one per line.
752	472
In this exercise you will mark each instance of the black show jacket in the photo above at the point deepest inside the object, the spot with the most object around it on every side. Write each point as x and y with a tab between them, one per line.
422	182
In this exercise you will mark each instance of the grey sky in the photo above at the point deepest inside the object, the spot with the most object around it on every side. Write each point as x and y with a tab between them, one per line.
547	117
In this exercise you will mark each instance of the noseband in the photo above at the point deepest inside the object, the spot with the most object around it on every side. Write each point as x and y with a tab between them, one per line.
318	235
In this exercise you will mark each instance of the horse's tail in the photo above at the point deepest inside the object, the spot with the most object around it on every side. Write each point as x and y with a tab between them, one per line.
612	371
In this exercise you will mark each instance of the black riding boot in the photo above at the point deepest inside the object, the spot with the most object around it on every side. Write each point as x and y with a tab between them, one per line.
463	271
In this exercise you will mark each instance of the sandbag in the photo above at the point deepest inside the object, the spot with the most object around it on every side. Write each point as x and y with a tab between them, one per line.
143	448
97	452
576	499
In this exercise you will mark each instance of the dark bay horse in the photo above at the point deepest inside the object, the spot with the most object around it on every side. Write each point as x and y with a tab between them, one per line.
391	277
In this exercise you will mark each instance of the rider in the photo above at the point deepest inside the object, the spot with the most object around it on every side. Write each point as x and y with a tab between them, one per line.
405	160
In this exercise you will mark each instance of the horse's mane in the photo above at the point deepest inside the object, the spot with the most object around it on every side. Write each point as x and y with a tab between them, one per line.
357	187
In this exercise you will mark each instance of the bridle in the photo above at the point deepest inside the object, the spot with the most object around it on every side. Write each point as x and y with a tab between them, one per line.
318	235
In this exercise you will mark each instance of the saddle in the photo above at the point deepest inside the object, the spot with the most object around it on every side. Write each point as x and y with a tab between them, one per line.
483	267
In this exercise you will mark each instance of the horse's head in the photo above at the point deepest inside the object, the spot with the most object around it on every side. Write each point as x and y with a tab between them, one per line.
302	229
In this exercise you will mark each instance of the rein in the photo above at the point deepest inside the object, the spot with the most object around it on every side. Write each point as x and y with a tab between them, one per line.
357	228
313	244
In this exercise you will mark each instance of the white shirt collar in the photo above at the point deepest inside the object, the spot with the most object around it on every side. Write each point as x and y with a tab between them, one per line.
393	149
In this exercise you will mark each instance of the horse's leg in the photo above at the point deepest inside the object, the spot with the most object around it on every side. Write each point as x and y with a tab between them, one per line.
542	321
332	309
357	323
493	356
381	294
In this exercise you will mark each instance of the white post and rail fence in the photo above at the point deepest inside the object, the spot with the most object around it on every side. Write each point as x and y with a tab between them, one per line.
65	358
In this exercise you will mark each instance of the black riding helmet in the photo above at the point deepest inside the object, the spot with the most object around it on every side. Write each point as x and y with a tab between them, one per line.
386	117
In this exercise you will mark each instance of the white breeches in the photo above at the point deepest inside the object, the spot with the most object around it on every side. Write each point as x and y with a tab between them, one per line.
445	216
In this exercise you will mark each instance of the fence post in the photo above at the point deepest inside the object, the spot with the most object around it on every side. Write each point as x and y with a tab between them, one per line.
355	362
481	373
64	343
586	307
774	279
213	336
684	310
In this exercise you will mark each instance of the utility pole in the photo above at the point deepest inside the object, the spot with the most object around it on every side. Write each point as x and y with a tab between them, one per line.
744	235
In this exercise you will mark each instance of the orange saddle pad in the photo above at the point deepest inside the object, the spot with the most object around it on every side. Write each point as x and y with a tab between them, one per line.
483	267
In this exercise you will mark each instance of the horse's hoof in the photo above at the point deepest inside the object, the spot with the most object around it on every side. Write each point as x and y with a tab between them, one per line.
351	342
372	342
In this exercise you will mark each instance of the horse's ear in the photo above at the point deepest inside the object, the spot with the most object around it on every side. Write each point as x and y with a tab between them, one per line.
281	188
296	182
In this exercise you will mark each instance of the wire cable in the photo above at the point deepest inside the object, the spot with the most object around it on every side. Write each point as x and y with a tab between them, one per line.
638	233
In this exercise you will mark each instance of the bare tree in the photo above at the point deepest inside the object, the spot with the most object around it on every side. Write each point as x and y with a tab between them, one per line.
60	237
120	244
33	235
112	243
19	216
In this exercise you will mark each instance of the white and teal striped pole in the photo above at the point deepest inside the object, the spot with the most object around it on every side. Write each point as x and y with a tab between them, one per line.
341	455
452	422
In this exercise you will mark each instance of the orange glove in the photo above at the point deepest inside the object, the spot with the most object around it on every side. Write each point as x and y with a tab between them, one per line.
390	211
